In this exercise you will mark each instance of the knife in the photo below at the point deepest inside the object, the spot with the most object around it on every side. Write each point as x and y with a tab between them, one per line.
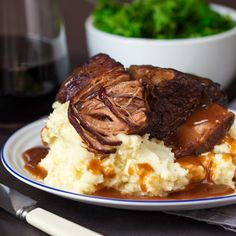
25	208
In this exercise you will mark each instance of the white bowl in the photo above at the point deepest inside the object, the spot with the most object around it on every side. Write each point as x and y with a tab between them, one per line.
212	56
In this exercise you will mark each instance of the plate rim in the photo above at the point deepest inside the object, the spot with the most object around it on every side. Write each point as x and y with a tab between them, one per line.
93	198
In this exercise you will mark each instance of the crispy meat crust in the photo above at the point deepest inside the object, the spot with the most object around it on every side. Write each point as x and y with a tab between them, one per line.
103	103
106	100
173	96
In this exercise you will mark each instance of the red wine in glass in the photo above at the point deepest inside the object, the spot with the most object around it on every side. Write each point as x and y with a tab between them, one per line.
33	59
28	87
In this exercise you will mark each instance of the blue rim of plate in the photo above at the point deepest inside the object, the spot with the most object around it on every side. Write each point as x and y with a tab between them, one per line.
92	197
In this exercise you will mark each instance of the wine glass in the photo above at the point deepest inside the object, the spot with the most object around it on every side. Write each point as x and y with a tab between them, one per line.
33	58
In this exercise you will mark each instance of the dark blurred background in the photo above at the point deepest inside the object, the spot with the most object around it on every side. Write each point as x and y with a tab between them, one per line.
75	13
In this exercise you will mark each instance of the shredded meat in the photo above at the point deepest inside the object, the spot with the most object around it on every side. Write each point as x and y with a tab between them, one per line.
100	71
104	102
187	112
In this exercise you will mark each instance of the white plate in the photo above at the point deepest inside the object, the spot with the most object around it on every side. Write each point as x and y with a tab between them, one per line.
29	136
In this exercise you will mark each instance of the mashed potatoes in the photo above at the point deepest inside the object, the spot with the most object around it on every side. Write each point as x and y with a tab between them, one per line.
140	166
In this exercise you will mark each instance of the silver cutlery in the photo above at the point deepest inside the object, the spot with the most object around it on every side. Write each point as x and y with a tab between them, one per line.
25	208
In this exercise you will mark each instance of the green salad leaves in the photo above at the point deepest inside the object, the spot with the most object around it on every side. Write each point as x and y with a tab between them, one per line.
160	19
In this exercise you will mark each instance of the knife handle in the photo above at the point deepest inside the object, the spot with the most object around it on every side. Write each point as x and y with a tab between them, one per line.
55	225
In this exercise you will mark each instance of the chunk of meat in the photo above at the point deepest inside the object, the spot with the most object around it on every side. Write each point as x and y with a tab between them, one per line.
202	131
103	103
211	91
100	71
181	109
173	96
154	75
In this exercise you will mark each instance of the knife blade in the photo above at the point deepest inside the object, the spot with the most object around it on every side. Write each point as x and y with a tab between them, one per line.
15	203
25	208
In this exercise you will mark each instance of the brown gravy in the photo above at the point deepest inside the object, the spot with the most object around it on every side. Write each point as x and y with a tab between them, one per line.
203	189
144	170
95	166
194	129
231	142
193	191
31	158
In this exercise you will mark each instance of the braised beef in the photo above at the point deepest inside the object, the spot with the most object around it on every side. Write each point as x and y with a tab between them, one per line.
173	96
100	71
104	102
211	91
185	111
202	131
